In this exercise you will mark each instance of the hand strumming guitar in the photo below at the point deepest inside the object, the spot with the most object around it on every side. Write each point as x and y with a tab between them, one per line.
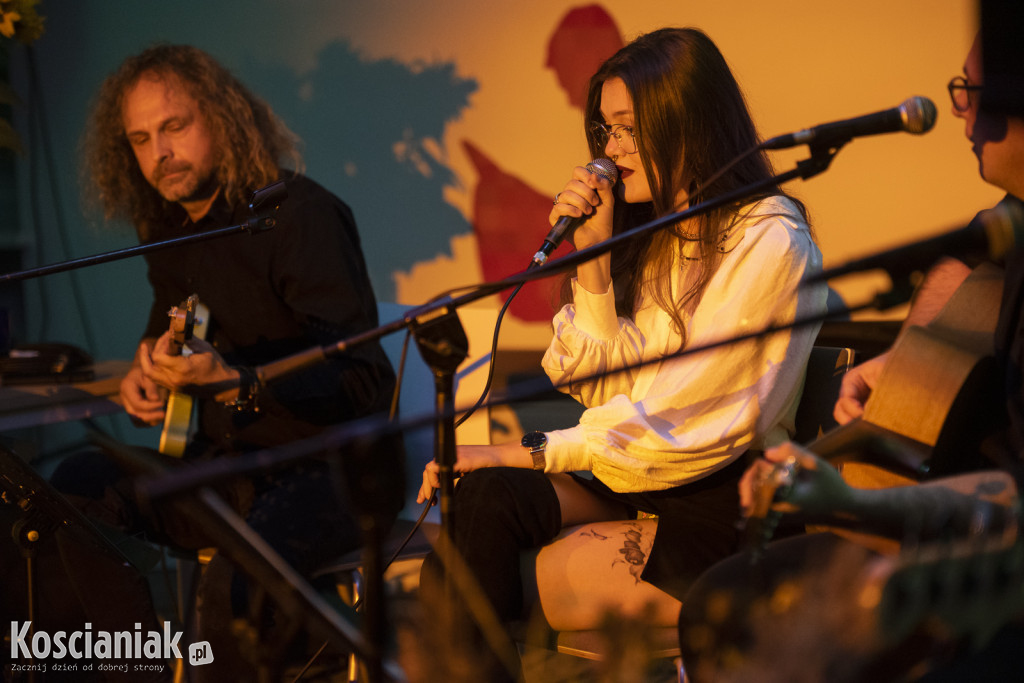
157	371
856	388
203	372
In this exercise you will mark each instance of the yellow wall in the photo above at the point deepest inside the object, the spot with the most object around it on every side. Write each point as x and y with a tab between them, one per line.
801	62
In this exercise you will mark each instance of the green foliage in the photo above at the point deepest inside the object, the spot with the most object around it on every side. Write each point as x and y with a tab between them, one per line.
21	22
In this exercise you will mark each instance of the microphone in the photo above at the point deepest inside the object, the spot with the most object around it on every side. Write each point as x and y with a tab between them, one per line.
916	115
566	225
992	233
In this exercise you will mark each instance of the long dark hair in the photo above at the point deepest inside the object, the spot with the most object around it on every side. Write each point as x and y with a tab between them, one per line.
690	120
251	142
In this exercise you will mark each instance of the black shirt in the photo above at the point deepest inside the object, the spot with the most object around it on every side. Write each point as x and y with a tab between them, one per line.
271	294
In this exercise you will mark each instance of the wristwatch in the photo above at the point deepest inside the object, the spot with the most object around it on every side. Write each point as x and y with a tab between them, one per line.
536	442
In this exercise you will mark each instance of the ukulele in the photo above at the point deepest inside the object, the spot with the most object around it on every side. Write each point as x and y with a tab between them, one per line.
188	320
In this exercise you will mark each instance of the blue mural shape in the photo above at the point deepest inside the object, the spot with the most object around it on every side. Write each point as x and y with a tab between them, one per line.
365	126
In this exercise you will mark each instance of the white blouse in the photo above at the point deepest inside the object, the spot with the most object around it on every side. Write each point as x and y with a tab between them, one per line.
680	419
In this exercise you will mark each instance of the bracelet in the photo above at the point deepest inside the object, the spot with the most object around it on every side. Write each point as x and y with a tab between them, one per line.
248	390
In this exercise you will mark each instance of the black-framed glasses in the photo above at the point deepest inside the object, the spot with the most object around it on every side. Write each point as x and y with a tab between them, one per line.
960	91
624	136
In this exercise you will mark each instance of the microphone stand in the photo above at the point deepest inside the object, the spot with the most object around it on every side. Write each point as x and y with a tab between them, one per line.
442	340
263	203
422	318
211	473
432	321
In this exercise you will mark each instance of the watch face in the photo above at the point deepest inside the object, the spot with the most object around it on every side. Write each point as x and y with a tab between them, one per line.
535	440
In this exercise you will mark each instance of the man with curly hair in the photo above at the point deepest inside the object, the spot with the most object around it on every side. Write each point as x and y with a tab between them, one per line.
176	145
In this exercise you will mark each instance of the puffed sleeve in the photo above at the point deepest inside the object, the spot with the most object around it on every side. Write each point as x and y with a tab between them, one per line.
589	341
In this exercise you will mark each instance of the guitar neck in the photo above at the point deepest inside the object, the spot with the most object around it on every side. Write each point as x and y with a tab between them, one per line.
863	441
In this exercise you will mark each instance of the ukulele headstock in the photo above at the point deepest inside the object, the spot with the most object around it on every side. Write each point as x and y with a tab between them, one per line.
183	321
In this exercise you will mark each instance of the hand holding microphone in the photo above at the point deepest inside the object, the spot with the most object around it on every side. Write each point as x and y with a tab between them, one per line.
587	198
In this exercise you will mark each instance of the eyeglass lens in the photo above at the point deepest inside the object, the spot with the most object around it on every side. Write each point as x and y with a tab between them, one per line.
623	135
961	93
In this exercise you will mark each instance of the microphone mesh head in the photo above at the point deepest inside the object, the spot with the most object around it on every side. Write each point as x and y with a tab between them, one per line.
918	114
604	167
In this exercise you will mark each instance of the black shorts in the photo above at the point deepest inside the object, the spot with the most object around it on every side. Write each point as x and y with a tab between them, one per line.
698	524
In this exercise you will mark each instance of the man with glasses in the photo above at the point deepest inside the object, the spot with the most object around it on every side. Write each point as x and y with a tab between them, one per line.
997	140
793	614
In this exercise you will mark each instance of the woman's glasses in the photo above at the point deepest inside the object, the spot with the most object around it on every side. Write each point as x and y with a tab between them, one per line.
624	136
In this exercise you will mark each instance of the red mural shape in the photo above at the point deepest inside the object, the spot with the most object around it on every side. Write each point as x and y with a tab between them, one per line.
510	218
510	222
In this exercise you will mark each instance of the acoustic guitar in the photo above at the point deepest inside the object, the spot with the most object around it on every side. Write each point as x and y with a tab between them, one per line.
967	588
901	610
188	320
912	427
932	380
915	422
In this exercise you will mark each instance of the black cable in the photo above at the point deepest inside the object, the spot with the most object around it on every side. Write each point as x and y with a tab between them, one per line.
494	355
480	401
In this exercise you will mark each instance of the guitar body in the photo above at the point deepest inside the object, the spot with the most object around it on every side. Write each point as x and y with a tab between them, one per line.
926	405
922	418
917	594
189	320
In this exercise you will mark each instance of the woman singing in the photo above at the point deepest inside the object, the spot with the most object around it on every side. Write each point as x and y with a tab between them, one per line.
669	437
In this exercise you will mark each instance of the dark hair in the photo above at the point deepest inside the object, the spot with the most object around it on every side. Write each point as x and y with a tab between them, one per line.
690	120
250	141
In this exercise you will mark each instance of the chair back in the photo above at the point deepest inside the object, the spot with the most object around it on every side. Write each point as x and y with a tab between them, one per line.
825	369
